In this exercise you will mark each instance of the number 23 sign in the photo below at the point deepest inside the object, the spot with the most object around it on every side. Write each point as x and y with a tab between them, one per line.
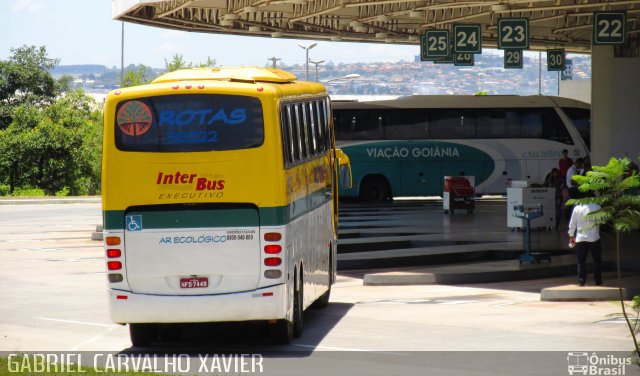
513	33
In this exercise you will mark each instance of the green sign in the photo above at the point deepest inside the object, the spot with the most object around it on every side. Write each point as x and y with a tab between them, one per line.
609	27
436	43
463	59
513	59
423	49
445	60
513	33
567	73
555	60
467	38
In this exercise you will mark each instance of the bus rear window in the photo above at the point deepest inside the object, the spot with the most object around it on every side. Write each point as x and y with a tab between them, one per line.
189	123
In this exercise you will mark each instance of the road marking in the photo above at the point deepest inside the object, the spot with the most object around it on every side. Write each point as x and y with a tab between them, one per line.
76	322
93	339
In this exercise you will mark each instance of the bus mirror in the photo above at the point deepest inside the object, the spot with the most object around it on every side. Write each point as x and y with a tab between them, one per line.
344	170
345	179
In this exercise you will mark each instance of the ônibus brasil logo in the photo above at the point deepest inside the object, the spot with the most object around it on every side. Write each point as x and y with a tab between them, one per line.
134	118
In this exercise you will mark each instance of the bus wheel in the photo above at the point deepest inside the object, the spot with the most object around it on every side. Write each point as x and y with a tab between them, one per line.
282	332
143	334
375	189
298	310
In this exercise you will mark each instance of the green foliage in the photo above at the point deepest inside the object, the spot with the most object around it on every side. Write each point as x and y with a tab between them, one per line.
51	137
25	80
178	62
135	76
613	186
28	192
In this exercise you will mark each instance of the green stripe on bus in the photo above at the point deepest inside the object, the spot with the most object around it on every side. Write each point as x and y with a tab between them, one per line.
219	217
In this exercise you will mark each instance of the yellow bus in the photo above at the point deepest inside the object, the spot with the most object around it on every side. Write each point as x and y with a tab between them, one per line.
219	198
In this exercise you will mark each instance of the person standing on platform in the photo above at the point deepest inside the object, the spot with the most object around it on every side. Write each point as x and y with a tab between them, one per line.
553	180
564	163
576	169
584	237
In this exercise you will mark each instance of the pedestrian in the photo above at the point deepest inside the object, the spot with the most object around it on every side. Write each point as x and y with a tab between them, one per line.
553	180
576	169
564	163
584	237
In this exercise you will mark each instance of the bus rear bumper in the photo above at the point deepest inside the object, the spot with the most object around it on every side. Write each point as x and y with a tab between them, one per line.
268	303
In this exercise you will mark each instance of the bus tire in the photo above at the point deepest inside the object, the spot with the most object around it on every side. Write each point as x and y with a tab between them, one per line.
298	308
143	334
375	189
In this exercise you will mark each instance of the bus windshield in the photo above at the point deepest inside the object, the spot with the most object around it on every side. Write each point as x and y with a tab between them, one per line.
189	123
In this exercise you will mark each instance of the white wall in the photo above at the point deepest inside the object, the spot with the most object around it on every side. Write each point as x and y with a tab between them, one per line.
615	106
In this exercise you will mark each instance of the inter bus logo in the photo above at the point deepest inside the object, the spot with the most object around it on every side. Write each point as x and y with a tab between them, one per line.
134	118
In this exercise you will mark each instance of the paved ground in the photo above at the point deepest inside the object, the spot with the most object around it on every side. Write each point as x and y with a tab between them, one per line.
52	285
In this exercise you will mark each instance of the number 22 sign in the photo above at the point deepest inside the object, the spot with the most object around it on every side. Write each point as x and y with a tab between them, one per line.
609	27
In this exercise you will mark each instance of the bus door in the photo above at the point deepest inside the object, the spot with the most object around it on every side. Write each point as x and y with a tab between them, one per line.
189	250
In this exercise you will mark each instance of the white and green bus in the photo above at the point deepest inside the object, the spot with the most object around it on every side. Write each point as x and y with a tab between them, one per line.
405	146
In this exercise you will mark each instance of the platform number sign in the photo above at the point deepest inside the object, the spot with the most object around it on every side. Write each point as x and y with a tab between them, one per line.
437	43
555	60
513	59
513	33
463	59
467	38
609	27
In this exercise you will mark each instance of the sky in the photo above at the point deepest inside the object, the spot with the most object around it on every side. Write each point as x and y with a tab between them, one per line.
83	32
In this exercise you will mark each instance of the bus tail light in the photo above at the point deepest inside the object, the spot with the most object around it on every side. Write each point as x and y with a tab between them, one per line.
114	265
272	273
114	253
273	236
273	261
112	240
116	278
272	249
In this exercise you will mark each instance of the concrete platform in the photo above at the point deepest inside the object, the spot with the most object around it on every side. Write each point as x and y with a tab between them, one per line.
413	243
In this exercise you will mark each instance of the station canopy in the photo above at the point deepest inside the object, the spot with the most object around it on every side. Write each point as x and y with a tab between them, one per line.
564	24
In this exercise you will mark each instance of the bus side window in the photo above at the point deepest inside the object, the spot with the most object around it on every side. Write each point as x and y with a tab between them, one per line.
293	131
286	136
553	128
312	125
531	124
319	127
513	120
300	136
326	115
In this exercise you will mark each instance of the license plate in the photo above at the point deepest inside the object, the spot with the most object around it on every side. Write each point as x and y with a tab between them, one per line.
194	283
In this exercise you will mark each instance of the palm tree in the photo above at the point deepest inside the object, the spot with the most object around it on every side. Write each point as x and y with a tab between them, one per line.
615	187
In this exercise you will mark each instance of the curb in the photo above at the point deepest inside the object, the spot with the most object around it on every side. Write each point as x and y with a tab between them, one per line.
50	200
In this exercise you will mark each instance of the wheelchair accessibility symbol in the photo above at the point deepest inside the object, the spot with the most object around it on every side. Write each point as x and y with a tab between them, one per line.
134	222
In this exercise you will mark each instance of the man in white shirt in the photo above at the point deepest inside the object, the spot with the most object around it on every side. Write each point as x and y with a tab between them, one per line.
576	169
584	235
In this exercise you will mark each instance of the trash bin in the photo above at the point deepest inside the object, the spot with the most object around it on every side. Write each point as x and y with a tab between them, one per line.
459	194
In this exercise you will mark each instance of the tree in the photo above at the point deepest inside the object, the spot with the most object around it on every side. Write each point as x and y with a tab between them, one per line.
50	137
25	79
135	76
178	62
614	186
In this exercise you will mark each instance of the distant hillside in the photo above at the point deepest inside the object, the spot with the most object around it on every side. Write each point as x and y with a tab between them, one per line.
74	70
